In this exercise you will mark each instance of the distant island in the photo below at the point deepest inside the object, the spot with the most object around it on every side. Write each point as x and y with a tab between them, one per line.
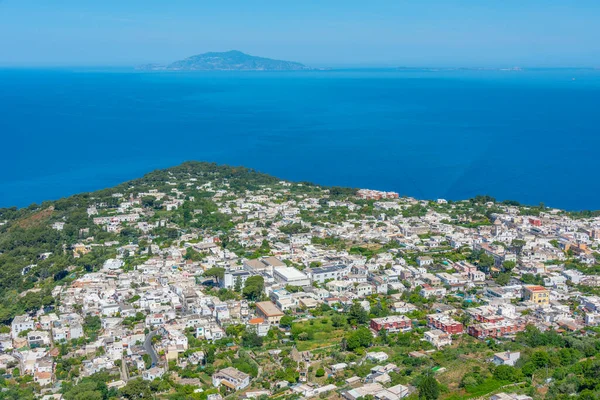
227	61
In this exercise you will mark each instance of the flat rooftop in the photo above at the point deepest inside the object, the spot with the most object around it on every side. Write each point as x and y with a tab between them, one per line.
269	309
330	268
290	273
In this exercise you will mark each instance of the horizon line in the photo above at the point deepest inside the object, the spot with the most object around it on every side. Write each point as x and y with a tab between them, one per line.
313	66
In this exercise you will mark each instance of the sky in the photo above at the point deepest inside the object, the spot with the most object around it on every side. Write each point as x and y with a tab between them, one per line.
375	33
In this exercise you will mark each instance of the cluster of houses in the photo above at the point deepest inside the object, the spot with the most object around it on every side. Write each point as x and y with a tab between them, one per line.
164	296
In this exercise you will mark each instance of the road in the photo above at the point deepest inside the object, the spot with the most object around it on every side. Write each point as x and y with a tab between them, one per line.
124	371
150	349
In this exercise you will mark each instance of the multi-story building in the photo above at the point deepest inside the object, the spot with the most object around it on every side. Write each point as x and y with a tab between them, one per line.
432	291
335	272
290	276
536	294
444	323
497	329
19	324
233	278
395	323
269	312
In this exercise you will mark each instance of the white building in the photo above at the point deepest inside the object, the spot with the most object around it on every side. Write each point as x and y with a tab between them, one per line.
153	373
333	272
232	378
438	338
112	264
377	356
424	261
506	358
19	324
231	279
290	276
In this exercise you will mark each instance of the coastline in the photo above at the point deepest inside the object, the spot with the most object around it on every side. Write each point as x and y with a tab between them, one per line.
119	178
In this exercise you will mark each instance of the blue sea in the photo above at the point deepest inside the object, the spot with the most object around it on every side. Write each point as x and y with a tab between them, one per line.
531	136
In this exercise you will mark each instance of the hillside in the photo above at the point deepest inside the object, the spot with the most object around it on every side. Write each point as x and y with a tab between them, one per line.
38	244
133	265
35	256
228	61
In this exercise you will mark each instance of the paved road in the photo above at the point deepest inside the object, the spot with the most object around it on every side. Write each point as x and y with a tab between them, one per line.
150	349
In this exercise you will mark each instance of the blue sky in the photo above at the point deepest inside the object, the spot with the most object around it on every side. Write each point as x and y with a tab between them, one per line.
315	32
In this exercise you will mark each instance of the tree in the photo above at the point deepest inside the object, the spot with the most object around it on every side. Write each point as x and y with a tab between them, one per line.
237	285
357	314
338	321
429	388
136	389
503	279
361	337
92	325
253	288
215	273
191	254
320	372
147	360
235	330
507	373
508	265
517	245
383	336
540	358
294	228
286	321
148	201
187	215
486	261
210	355
251	339
88	388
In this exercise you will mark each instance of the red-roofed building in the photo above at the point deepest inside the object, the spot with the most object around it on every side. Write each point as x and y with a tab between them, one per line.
260	326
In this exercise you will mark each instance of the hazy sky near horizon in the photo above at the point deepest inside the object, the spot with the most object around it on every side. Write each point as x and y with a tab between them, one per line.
315	32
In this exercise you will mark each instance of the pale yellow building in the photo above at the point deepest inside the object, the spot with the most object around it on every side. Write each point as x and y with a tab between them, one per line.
536	294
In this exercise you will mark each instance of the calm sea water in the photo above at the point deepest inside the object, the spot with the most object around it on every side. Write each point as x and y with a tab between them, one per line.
532	136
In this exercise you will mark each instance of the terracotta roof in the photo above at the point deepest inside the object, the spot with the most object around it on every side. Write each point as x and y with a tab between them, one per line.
536	288
269	309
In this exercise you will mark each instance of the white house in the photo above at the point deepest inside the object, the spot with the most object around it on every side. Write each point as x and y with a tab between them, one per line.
333	272
424	261
377	356
438	338
506	358
153	373
19	324
232	378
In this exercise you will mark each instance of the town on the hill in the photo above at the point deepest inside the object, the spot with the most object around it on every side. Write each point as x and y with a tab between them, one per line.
214	282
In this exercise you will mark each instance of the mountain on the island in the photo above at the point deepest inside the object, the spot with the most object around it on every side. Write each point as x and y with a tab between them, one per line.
227	61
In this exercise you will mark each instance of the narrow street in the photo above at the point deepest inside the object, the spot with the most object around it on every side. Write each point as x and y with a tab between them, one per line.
150	349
